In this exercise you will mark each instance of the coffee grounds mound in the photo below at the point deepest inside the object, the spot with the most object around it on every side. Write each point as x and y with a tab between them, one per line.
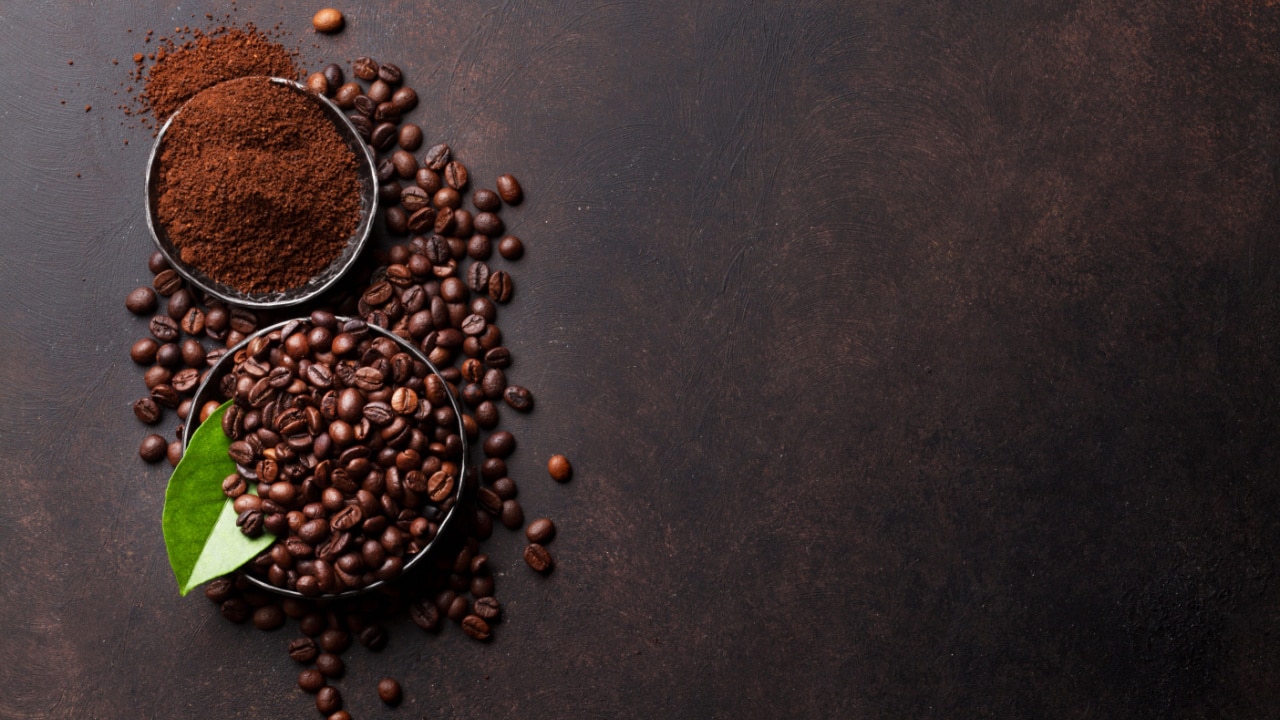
182	71
256	188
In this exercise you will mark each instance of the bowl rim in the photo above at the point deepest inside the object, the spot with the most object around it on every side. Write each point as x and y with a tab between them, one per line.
333	272
214	375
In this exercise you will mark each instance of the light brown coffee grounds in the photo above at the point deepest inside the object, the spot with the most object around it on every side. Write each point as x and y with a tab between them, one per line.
181	71
256	188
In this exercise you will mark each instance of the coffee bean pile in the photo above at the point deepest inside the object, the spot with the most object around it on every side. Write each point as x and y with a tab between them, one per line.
436	290
353	445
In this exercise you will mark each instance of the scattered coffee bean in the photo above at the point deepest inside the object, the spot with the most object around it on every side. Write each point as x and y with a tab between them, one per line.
410	137
389	691
147	411
333	74
318	83
173	453
436	157
328	700
518	397
143	351
510	247
500	444
537	557
268	617
156	263
153	448
476	627
500	287
141	301
389	74
346	94
167	282
311	680
540	531
327	20
365	68
379	92
405	99
330	665
509	189
559	468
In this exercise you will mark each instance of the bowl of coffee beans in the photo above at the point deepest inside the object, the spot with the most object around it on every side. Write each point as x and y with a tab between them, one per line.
354	447
260	192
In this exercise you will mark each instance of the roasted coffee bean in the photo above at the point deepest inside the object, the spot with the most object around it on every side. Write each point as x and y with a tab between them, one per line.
243	321
500	286
478	280
311	680
384	171
389	192
156	262
505	487
509	189
328	20
486	200
141	301
220	589
482	585
328	700
486	414
410	136
334	640
157	375
428	180
406	166
166	396
303	650
488	223
414	199
185	381
518	397
143	351
425	615
384	134
540	531
147	411
436	157
405	99
167	282
153	448
165	328
389	691
373	637
346	94
379	92
233	486
179	303
512	514
537	557
318	83
333	74
510	247
390	74
455	175
235	610
499	357
479	247
268	617
365	105
193	322
446	197
559	468
500	444
169	355
330	665
476	627
494	383
463	227
486	608
250	523
443	222
388	112
424	220
362	124
437	250
489	501
365	68
397	220
493	468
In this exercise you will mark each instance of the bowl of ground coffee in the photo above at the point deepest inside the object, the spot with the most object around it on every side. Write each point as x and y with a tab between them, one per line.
260	192
353	445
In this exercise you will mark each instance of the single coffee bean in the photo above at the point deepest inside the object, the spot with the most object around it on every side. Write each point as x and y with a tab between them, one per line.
537	557
156	262
179	303
167	283
478	277
220	589
169	355
157	375
153	448
436	157
397	220
166	395
494	383
243	321
425	615
489	501
328	700
334	640
318	83
479	247
362	124
193	322
500	287
509	189
268	617
389	73
141	301
165	328
476	628
311	681
143	351
345	96
424	220
405	99
384	135
487	608
379	92
388	112
512	515
414	198
250	523
510	247
559	468
235	610
373	637
233	486
428	180
499	357
327	20
185	381
540	531
410	137
406	165
330	665
389	691
303	650
147	411
455	175
486	200
487	223
384	171
518	397
365	68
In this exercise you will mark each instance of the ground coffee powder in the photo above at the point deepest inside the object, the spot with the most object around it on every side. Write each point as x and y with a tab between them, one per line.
181	71
256	187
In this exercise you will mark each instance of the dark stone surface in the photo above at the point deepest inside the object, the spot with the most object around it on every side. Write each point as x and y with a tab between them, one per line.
915	360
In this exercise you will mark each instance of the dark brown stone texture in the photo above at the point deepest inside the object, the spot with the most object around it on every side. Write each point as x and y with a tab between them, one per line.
915	360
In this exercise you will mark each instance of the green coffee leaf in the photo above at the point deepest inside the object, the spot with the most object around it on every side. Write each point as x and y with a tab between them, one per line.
199	522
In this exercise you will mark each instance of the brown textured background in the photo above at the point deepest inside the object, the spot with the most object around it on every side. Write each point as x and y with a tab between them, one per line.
917	359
